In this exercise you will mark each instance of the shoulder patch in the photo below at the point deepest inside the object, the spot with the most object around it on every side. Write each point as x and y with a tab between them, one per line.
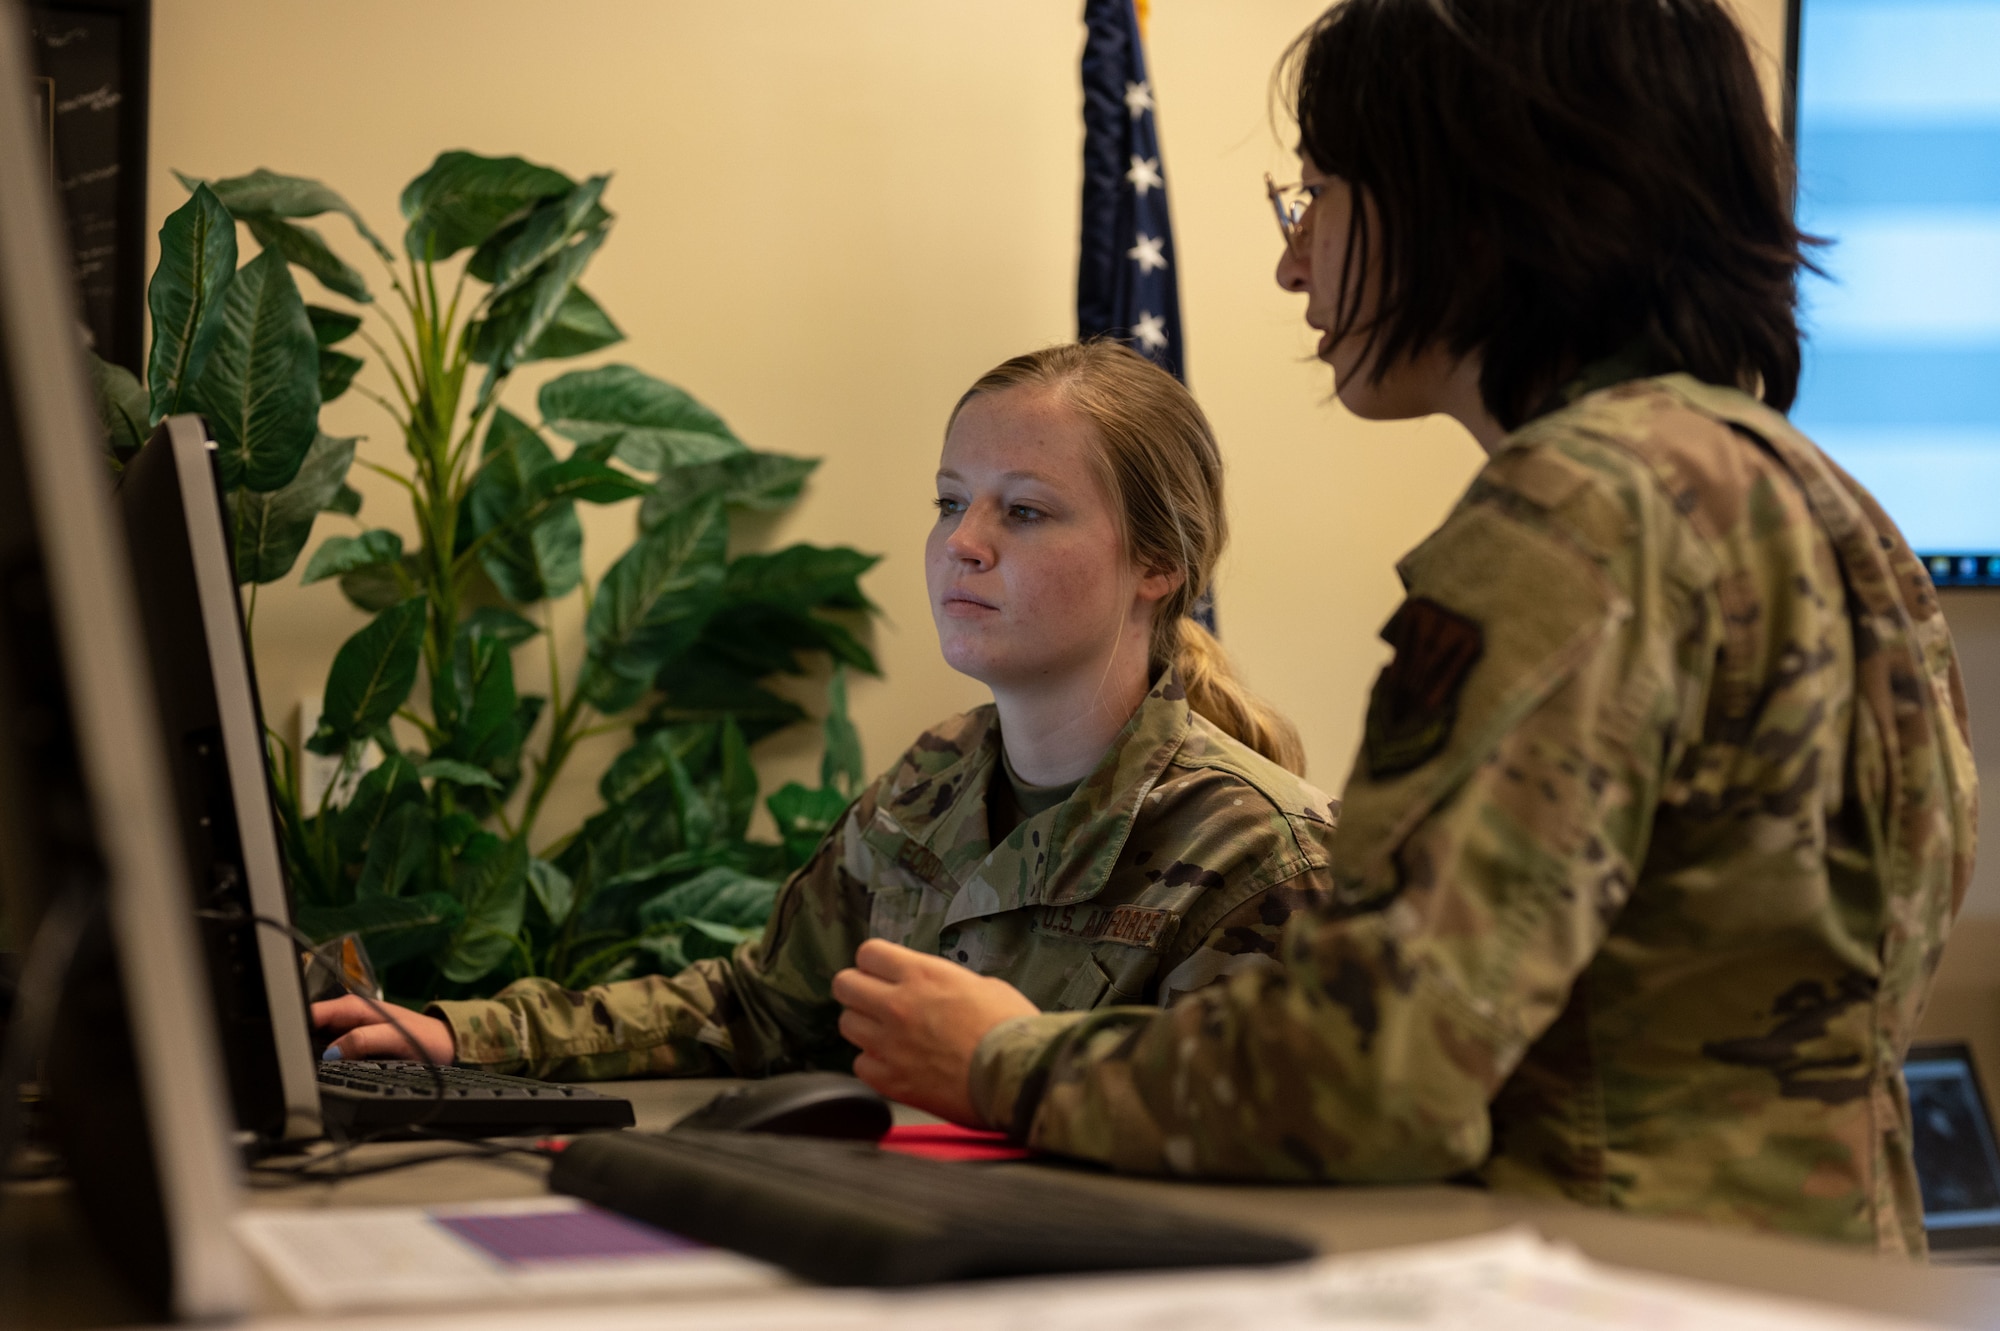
1415	699
1149	927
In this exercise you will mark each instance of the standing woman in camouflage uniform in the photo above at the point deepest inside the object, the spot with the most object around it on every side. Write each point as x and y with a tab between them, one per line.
1122	825
1665	802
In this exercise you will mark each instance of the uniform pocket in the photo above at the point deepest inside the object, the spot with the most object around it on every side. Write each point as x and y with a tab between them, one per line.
1086	987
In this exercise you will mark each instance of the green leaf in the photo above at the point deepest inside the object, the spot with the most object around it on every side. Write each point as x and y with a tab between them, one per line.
380	586
494	888
655	425
758	639
523	318
549	231
346	501
477	709
536	550
804	817
344	554
719	896
646	762
664	950
272	526
457	829
395	929
765	481
738	782
680	862
692	810
336	372
707	938
259	378
197	262
458	773
553	888
267	194
503	626
332	326
308	249
579	327
700	687
651	604
372	674
121	406
380	792
464	198
802	577
397	851
583	478
841	766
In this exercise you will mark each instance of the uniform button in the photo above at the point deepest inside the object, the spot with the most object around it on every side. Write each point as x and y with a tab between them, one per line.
962	955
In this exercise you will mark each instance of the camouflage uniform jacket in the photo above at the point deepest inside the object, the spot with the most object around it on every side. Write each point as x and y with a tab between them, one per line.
1176	862
1665	806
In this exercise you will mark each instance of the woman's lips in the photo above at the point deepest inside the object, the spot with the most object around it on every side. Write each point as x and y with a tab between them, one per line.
964	605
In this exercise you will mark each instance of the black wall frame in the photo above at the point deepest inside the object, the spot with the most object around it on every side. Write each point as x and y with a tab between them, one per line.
95	60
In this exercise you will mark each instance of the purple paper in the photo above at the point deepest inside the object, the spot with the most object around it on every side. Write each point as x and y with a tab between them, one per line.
563	1236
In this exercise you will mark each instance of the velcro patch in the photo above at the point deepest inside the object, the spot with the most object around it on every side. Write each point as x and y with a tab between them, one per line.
1415	700
1149	927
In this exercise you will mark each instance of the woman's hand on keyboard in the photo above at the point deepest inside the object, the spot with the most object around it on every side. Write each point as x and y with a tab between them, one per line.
358	1031
917	1020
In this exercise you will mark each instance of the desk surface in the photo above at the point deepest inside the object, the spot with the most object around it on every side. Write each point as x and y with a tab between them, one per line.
1338	1219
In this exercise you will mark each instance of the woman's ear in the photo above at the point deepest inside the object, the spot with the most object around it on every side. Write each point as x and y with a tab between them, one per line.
1159	584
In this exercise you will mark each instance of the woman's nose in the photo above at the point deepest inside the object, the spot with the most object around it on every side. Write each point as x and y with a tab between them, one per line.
969	540
1293	270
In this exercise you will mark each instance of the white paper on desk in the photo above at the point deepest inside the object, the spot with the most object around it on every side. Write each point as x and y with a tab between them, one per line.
341	1259
1511	1281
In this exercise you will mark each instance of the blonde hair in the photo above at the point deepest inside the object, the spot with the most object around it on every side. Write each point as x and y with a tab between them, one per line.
1159	463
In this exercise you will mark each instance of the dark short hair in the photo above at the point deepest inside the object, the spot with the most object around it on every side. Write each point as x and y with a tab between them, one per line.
1556	181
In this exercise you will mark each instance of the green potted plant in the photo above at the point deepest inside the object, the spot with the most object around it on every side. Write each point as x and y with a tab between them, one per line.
429	844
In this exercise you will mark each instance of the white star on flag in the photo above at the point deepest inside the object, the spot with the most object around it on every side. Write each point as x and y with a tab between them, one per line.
1151	330
1148	253
1138	99
1145	174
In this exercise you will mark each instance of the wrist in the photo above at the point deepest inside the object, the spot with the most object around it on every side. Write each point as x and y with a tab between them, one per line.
1010	1065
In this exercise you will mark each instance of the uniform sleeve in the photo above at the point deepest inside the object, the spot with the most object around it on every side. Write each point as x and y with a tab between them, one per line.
766	1008
1489	835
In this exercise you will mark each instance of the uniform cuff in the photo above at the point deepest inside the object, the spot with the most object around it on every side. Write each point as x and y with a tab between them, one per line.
483	1031
1014	1055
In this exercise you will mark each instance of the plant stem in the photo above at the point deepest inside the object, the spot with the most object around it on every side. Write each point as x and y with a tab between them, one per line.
562	739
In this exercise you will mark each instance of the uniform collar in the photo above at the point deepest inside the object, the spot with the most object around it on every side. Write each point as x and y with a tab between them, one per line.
1641	358
1060	856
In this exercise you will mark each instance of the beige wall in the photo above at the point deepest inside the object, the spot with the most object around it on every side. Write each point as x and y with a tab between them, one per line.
831	217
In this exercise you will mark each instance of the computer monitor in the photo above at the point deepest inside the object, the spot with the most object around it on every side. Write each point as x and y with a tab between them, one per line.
171	500
1896	119
1958	1157
86	824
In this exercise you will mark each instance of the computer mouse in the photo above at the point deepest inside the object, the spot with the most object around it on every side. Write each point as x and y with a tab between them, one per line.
797	1104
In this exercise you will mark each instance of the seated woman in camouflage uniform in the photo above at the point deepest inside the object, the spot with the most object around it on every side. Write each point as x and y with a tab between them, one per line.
1119	826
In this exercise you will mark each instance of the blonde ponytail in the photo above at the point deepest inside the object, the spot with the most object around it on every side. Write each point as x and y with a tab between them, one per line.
1214	692
1158	461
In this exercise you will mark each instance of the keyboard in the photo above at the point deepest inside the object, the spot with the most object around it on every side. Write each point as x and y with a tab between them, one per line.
366	1095
844	1213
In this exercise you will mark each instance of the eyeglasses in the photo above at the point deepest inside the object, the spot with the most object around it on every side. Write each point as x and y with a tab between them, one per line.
1290	202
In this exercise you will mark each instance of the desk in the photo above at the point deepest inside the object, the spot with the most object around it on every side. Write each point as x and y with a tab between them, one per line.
1339	1219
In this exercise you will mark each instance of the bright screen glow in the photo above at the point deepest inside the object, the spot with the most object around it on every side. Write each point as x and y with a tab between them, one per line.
1899	165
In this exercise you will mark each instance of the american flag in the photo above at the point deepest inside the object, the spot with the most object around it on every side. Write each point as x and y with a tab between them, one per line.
1126	286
